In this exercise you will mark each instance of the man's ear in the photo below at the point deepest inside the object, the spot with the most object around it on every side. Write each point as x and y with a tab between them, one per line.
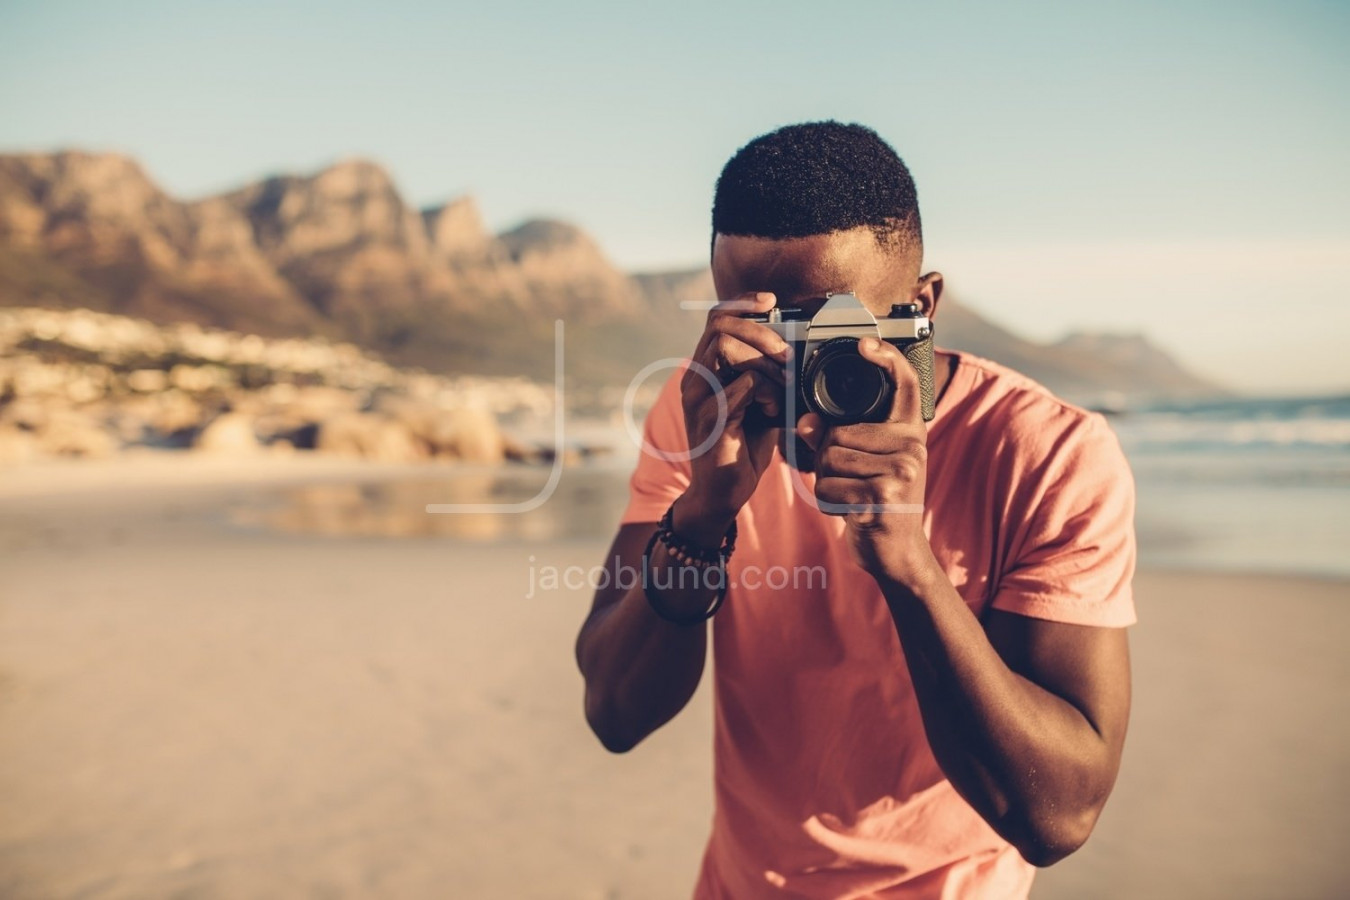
928	292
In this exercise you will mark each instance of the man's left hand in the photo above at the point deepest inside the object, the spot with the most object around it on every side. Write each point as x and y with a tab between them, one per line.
868	465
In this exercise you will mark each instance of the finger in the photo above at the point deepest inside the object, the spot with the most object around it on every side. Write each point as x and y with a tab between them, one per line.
767	397
740	393
697	384
906	404
844	492
729	352
811	429
761	337
752	302
870	437
721	362
760	431
845	462
725	319
889	441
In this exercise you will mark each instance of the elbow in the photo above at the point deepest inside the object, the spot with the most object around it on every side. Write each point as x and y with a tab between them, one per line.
609	728
613	739
1043	854
605	720
1050	837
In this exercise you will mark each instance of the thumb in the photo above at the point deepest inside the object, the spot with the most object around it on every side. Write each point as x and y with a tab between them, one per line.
811	429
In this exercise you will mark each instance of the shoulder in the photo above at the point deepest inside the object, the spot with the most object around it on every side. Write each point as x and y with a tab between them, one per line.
1064	498
1026	424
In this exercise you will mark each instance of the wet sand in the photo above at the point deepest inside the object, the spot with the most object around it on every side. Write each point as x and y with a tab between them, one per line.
193	705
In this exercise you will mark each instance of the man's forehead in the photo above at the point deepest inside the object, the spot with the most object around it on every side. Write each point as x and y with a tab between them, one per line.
799	268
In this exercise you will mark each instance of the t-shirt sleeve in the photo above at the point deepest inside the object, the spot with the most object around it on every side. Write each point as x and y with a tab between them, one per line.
1072	555
662	472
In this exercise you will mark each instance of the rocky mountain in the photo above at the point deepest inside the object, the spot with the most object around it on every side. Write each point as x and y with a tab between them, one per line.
567	273
1095	369
339	254
93	230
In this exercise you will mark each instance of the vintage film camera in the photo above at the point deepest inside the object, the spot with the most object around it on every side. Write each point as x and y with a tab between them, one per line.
828	376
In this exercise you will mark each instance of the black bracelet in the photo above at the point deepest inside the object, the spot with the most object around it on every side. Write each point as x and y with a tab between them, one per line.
686	552
687	555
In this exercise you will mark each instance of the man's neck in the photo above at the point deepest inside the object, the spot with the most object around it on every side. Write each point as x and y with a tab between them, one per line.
944	367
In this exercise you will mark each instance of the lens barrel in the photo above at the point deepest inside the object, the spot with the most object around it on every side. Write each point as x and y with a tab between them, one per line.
842	386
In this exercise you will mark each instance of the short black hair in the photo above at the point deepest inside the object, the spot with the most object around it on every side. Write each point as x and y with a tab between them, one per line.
817	178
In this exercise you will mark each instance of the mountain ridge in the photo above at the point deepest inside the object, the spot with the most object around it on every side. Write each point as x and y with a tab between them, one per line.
340	254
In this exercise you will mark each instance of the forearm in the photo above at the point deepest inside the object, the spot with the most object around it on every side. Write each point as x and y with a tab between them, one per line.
1031	763
640	668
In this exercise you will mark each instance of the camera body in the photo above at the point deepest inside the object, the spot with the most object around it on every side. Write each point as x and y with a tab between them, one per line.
828	376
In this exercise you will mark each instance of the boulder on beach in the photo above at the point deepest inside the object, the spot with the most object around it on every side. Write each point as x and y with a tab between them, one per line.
229	434
463	433
69	432
65	374
17	445
372	436
471	435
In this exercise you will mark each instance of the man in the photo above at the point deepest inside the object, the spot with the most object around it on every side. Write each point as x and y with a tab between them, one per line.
948	709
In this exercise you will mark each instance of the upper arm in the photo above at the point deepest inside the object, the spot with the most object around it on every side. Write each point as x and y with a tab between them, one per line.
1058	613
1087	666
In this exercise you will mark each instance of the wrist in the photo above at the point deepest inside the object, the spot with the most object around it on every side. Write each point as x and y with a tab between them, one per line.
911	570
688	557
700	521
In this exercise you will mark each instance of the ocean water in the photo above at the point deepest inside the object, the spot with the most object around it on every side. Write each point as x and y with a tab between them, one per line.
1259	485
1236	485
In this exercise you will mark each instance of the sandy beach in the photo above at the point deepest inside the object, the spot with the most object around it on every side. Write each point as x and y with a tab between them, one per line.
196	705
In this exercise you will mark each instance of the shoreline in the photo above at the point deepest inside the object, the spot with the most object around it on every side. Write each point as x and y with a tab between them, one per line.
134	470
202	475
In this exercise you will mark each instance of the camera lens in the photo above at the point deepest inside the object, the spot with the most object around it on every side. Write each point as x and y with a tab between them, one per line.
844	387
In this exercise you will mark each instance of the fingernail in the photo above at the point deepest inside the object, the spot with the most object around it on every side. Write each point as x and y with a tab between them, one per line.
871	343
765	297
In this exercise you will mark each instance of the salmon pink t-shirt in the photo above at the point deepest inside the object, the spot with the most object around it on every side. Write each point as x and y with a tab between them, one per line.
825	784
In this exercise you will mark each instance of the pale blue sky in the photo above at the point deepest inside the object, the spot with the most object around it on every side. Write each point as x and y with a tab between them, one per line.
1178	169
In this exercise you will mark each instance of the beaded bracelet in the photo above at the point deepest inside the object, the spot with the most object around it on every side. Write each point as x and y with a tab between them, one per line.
686	554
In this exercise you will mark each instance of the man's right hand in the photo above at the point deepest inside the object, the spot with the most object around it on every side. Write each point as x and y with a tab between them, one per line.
748	361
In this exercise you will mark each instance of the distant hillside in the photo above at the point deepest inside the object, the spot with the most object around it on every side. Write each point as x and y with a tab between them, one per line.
338	254
1087	368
